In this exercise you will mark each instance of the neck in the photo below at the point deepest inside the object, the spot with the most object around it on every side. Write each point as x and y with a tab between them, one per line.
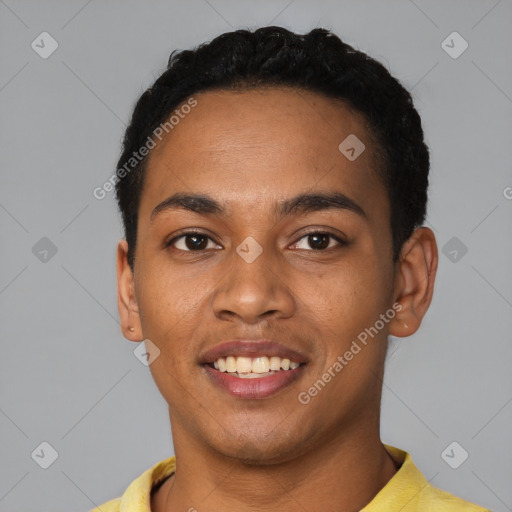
343	474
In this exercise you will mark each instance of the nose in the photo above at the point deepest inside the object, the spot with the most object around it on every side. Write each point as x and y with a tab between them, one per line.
254	291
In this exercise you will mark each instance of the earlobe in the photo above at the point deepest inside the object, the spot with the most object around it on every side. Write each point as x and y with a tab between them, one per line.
126	298
414	281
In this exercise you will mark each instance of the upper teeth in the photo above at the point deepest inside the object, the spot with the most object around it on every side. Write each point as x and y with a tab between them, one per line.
263	364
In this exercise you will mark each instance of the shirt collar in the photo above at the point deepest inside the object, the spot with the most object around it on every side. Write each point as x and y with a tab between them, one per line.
137	497
403	488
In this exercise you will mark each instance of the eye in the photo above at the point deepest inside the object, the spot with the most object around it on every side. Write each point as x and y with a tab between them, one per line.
192	241
195	241
319	241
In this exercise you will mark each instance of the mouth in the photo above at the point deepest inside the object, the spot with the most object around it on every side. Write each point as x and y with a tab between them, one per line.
253	369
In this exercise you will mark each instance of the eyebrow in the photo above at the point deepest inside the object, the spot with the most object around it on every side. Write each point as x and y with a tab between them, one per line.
300	204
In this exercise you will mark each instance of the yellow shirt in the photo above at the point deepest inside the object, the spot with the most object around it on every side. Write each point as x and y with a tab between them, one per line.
406	491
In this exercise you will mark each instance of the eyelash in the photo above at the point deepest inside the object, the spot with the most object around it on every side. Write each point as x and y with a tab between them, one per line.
340	241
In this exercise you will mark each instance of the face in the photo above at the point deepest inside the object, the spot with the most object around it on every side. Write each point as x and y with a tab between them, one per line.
307	275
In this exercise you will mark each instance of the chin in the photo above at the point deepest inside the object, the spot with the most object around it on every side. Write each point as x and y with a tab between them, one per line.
256	450
251	455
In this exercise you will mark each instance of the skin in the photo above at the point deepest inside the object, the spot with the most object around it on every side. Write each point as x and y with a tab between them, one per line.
249	150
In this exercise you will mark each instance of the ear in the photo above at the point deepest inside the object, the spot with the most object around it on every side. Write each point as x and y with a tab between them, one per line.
414	281
126	299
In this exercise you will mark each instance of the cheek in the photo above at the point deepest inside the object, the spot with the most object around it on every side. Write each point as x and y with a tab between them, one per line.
164	297
344	303
171	311
344	299
170	317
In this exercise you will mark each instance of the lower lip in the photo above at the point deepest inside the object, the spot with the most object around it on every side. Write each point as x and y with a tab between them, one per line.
262	387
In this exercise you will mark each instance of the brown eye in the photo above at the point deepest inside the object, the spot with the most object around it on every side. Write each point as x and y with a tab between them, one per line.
319	241
192	242
195	242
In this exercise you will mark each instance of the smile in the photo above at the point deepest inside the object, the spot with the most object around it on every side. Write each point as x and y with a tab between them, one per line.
254	367
262	381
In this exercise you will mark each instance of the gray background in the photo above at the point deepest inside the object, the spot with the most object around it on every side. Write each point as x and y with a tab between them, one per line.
68	377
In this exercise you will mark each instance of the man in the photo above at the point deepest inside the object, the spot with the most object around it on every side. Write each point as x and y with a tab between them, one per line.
273	188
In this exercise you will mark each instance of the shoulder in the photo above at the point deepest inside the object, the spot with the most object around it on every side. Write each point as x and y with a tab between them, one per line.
139	491
409	491
110	506
438	500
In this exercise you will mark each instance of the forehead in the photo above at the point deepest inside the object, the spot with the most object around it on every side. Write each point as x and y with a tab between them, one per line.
262	143
307	122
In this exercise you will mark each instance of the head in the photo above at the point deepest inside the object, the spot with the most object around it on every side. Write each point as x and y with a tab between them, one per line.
299	164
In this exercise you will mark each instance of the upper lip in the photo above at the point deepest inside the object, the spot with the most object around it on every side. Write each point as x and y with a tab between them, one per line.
251	348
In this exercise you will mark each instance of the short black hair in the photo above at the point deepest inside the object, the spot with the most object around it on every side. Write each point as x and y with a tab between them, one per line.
318	61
